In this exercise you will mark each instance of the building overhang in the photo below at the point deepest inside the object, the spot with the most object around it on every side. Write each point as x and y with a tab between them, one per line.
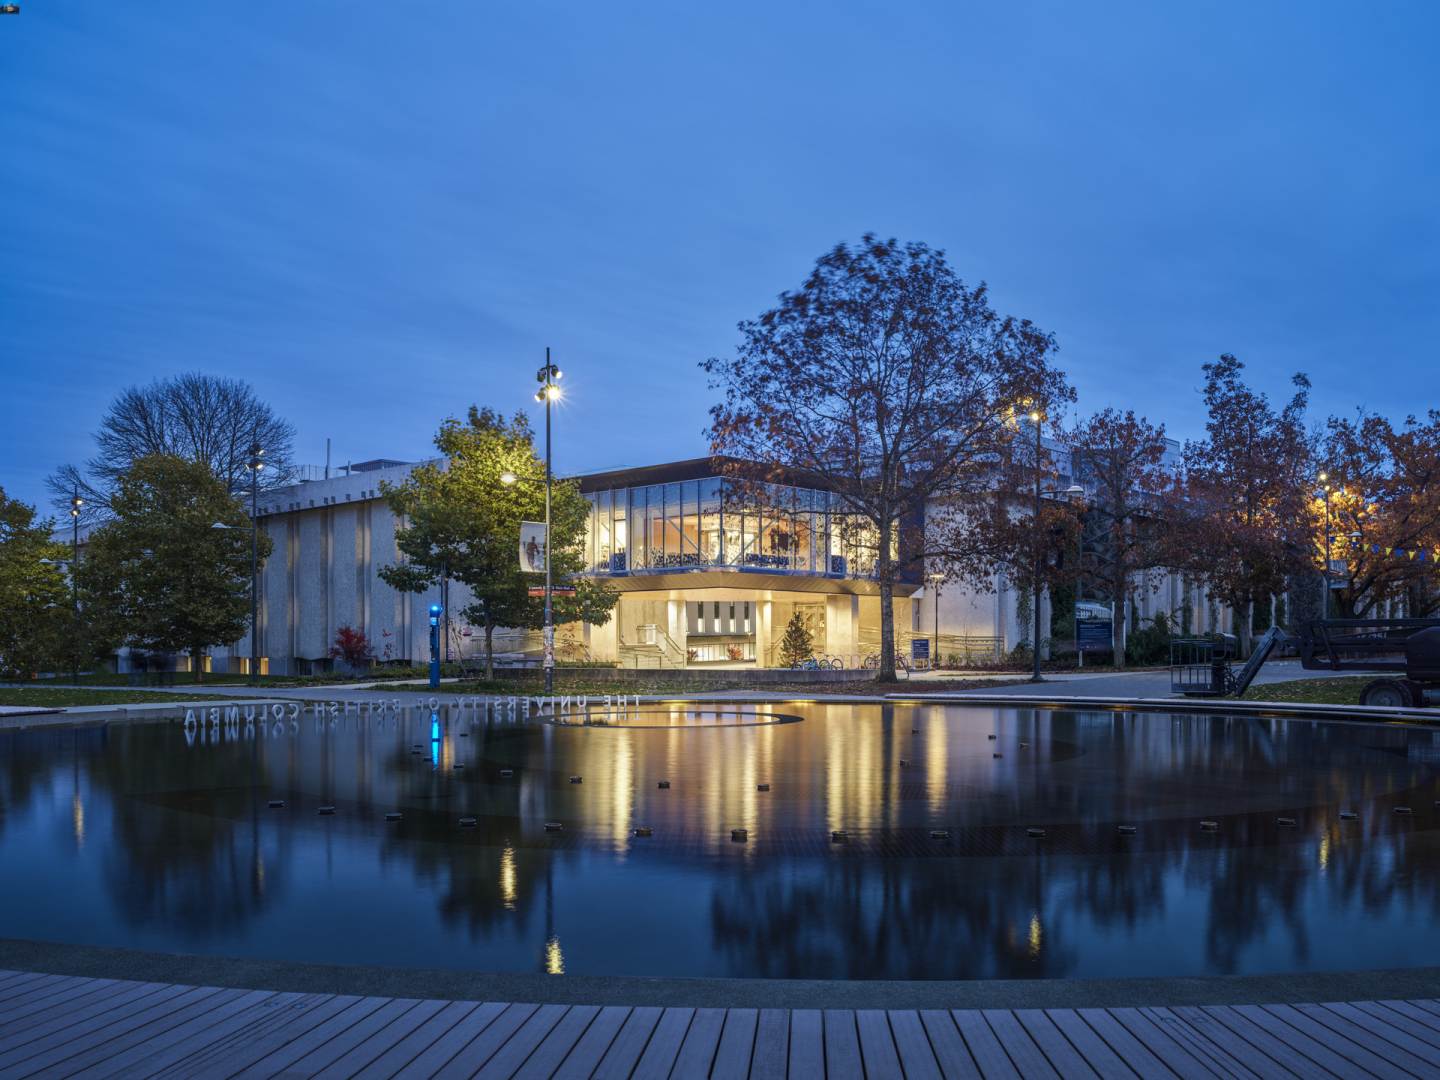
748	579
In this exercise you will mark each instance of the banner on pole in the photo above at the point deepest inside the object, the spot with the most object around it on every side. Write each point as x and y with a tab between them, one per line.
532	546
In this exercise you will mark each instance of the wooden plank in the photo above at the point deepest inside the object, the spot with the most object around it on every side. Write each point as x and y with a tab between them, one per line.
737	1043
24	983
471	1057
1184	1061
367	1050
630	1042
770	1059
1429	1005
120	1054
1282	1042
917	1060
1379	1038
946	1041
442	1051
877	1044
1392	1027
548	1056
1421	1024
312	1059
200	1033
990	1057
522	1043
270	1028
586	1055
159	1014
1063	1057
278	1058
697	1051
46	996
1362	1053
32	989
665	1040
412	1045
1209	1034
127	996
1092	1048
114	1043
1129	1049
807	1043
1034	1044
76	995
842	1046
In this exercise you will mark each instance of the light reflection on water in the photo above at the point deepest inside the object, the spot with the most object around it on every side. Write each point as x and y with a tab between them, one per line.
149	836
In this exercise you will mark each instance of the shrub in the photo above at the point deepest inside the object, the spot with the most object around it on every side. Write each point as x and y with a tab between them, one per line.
1149	644
353	647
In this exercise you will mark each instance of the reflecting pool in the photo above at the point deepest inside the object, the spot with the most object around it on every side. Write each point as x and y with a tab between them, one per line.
878	841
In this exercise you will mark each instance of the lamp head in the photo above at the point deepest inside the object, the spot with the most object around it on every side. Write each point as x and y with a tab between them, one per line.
507	478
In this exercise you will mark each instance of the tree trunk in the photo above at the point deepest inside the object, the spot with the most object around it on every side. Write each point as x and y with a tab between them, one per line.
1117	627
489	651
1245	630
884	568
197	663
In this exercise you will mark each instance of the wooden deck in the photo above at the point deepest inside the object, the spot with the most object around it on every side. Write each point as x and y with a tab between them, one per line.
60	1026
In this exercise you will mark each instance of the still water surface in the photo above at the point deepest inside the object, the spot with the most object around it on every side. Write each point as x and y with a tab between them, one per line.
158	836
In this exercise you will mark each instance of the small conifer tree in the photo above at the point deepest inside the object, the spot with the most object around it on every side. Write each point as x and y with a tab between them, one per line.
798	642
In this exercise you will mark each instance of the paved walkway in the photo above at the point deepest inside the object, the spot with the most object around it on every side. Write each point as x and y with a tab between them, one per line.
1106	684
55	1025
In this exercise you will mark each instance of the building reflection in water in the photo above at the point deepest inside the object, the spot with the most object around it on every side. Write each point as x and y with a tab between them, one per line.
173	841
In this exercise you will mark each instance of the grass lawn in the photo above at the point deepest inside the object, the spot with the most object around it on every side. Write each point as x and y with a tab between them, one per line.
51	697
1343	690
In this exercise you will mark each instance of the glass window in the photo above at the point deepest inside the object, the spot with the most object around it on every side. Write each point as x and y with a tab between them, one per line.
711	538
636	530
620	525
655	526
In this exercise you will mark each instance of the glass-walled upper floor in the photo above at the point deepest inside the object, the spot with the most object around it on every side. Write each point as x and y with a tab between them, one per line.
710	523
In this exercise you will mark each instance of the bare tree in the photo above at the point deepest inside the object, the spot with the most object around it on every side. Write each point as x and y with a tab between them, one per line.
890	380
197	417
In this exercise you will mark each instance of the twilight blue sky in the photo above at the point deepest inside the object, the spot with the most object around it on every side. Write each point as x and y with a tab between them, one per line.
380	213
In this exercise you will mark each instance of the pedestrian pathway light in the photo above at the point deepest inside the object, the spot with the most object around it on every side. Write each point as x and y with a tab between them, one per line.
435	611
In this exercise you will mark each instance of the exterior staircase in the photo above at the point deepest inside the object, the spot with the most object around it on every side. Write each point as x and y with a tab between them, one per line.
653	648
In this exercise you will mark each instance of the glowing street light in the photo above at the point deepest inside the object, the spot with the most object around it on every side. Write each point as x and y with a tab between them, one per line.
548	377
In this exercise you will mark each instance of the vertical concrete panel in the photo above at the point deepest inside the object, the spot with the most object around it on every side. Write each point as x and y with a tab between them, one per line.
344	609
312	577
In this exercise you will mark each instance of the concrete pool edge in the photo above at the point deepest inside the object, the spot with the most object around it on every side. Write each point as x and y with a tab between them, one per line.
99	715
90	961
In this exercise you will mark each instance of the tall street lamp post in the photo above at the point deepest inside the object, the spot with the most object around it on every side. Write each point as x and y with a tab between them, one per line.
1035	418
548	377
75	504
256	463
1325	604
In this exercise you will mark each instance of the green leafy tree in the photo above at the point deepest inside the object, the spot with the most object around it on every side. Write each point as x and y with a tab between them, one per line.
798	643
37	628
159	575
462	520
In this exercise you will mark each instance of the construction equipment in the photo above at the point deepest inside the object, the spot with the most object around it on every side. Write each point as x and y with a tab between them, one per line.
1409	647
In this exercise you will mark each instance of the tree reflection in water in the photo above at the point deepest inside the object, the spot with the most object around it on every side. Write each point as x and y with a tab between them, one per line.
179	838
